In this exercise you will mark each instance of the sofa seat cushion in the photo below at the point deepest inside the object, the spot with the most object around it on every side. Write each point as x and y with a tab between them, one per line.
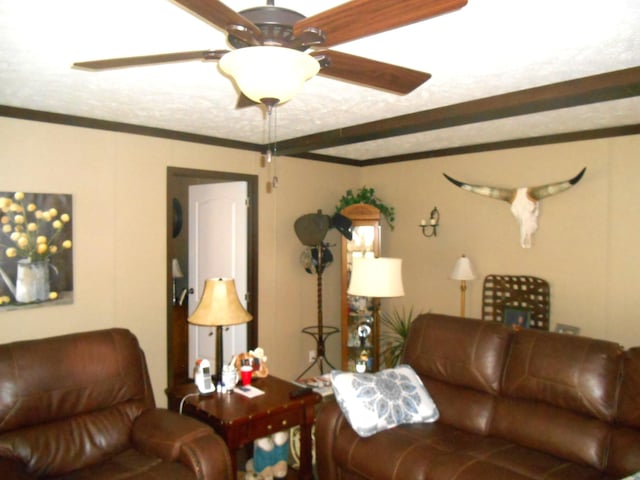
436	451
58	447
134	465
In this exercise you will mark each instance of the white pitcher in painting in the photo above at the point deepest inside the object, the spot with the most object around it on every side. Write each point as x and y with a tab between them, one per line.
32	281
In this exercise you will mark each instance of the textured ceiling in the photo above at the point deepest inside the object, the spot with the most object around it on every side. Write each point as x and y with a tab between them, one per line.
488	48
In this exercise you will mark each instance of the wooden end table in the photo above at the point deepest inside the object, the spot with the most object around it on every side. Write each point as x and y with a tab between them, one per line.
240	420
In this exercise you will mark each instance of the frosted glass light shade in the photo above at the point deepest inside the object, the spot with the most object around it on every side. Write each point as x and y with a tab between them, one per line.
219	305
269	72
376	277
176	271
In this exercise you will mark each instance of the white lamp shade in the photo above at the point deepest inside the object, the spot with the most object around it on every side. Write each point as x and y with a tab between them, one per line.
269	72
376	277
219	305
462	270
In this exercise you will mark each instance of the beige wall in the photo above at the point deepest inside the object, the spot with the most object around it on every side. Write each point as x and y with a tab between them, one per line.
585	247
118	182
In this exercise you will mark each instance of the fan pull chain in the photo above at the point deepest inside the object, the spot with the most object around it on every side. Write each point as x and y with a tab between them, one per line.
274	149
272	135
271	152
268	155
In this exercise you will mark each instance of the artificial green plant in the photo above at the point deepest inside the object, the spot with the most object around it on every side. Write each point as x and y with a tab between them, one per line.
396	326
368	196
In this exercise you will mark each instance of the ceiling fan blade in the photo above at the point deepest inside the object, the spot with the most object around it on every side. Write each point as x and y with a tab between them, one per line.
370	72
219	14
151	59
360	18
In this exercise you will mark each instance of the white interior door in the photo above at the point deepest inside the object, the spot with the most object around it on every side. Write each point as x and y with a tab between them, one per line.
217	248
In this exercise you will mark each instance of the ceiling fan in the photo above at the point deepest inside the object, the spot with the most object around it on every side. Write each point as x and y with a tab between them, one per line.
280	27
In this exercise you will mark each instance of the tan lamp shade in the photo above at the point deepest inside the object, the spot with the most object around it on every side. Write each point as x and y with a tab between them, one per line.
376	277
219	305
268	71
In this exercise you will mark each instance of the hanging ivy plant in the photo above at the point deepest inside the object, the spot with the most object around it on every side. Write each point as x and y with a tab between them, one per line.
368	196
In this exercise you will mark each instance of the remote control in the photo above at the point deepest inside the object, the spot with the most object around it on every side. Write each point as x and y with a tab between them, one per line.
300	392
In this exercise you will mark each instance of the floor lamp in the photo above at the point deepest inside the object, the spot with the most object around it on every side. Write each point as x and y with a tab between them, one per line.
463	271
219	307
375	278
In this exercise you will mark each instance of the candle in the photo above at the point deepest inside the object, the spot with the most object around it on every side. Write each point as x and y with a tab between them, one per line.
423	222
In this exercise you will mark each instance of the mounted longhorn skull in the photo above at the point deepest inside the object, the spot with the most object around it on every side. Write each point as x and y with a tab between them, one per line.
524	201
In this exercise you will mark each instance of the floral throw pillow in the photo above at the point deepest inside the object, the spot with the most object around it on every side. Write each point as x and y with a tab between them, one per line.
373	402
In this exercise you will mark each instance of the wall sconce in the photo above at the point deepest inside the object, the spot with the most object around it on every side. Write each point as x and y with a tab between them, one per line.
430	229
176	273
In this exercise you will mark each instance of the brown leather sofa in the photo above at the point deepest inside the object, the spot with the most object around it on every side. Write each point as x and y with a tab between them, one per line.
80	406
513	406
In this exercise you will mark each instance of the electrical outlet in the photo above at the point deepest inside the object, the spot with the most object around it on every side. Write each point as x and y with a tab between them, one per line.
312	356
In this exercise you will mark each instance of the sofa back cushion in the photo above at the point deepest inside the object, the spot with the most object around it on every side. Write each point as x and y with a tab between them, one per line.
624	456
460	362
559	395
629	411
576	373
67	402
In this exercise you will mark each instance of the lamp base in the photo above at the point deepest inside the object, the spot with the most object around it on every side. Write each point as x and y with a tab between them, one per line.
218	372
463	289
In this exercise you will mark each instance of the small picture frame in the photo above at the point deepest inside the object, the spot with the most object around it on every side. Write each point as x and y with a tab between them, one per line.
567	329
516	318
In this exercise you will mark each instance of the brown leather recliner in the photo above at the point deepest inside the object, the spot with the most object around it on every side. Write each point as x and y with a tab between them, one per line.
80	406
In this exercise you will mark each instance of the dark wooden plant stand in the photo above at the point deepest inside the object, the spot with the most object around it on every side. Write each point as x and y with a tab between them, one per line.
319	332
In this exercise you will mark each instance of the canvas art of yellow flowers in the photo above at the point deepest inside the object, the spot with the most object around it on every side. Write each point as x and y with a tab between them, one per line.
31	235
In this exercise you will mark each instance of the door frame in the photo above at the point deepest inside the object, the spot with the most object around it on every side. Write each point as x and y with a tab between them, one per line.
178	178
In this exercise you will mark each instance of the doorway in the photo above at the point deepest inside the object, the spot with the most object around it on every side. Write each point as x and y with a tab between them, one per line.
217	240
179	181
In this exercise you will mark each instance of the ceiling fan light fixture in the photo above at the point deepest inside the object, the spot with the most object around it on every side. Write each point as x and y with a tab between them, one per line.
269	72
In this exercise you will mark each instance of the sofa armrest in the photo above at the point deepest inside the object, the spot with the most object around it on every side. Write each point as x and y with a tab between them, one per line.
13	470
174	437
328	422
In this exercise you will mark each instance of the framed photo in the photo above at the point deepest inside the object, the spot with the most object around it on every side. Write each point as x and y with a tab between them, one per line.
517	318
568	329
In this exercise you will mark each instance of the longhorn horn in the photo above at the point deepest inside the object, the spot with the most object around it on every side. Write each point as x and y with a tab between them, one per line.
506	194
538	193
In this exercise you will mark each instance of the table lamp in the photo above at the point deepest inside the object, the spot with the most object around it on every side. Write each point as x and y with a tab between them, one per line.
219	307
462	271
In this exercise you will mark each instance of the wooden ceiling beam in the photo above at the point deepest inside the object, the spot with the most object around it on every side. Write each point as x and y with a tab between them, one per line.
572	93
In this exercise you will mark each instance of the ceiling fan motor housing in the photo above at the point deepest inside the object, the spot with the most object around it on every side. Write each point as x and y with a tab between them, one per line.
276	25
